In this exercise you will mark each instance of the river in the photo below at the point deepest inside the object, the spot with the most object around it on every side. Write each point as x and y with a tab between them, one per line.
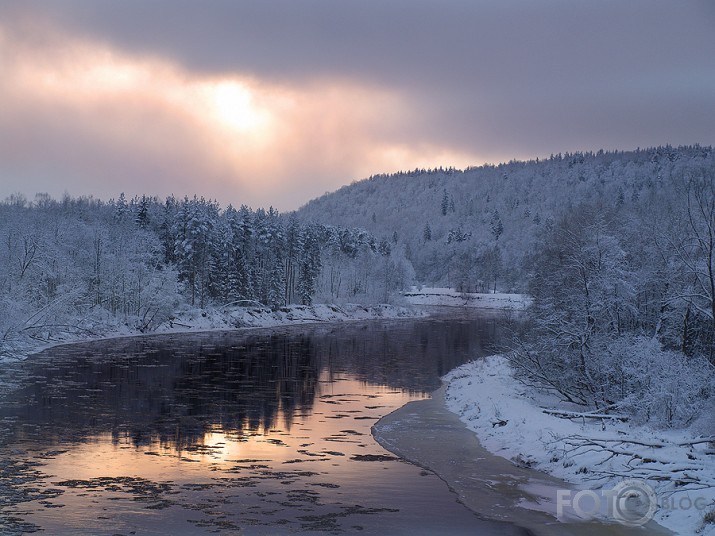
254	432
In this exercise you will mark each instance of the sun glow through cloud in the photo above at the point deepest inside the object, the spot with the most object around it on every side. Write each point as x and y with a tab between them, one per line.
248	104
233	105
229	136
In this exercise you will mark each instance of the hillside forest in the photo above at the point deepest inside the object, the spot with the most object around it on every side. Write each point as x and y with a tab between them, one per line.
617	250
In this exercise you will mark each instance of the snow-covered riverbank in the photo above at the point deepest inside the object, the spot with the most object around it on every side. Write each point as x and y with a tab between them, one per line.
451	298
101	325
529	428
218	318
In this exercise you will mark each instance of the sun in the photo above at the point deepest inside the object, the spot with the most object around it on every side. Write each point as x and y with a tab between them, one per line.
233	105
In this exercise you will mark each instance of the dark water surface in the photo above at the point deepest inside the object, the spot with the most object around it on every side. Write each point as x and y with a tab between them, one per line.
263	432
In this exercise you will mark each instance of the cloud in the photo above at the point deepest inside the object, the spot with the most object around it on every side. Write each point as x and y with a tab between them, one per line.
277	101
88	118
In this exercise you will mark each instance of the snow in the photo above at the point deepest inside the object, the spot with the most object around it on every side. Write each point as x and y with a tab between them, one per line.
245	317
593	453
452	298
191	319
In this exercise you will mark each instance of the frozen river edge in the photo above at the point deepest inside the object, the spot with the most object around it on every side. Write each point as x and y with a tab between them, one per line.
429	435
528	428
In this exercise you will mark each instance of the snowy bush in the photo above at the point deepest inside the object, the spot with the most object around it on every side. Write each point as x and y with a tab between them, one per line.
630	375
661	387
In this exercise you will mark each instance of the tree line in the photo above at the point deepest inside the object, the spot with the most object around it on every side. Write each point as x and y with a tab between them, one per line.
472	228
75	263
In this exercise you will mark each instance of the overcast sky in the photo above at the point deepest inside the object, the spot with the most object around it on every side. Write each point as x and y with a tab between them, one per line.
275	102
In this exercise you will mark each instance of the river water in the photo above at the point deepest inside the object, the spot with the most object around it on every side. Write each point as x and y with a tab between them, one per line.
263	432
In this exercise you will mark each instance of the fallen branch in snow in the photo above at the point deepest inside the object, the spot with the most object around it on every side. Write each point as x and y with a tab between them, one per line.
67	327
692	474
585	415
698	441
653	444
601	441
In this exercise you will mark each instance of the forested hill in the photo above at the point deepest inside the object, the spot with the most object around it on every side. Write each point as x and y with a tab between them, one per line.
638	225
476	227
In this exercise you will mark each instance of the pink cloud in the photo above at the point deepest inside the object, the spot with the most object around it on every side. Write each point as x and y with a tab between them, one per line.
84	117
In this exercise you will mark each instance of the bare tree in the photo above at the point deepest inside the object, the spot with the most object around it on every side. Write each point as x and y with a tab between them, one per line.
689	246
701	261
582	289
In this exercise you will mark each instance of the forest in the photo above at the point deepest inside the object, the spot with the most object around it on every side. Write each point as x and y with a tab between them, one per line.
78	265
617	250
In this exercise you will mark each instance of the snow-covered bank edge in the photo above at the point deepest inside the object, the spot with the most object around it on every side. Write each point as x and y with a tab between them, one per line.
510	420
218	319
449	297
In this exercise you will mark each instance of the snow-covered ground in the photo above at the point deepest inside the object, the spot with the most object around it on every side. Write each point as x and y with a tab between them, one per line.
218	318
244	317
513	421
101	325
451	298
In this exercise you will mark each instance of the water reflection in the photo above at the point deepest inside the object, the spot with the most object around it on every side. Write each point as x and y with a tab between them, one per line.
175	389
261	433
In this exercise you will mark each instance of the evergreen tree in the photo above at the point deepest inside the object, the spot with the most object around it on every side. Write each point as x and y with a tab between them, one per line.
310	265
142	217
427	233
121	207
496	225
444	207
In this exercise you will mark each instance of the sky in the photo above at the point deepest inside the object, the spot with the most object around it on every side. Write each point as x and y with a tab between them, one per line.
275	102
